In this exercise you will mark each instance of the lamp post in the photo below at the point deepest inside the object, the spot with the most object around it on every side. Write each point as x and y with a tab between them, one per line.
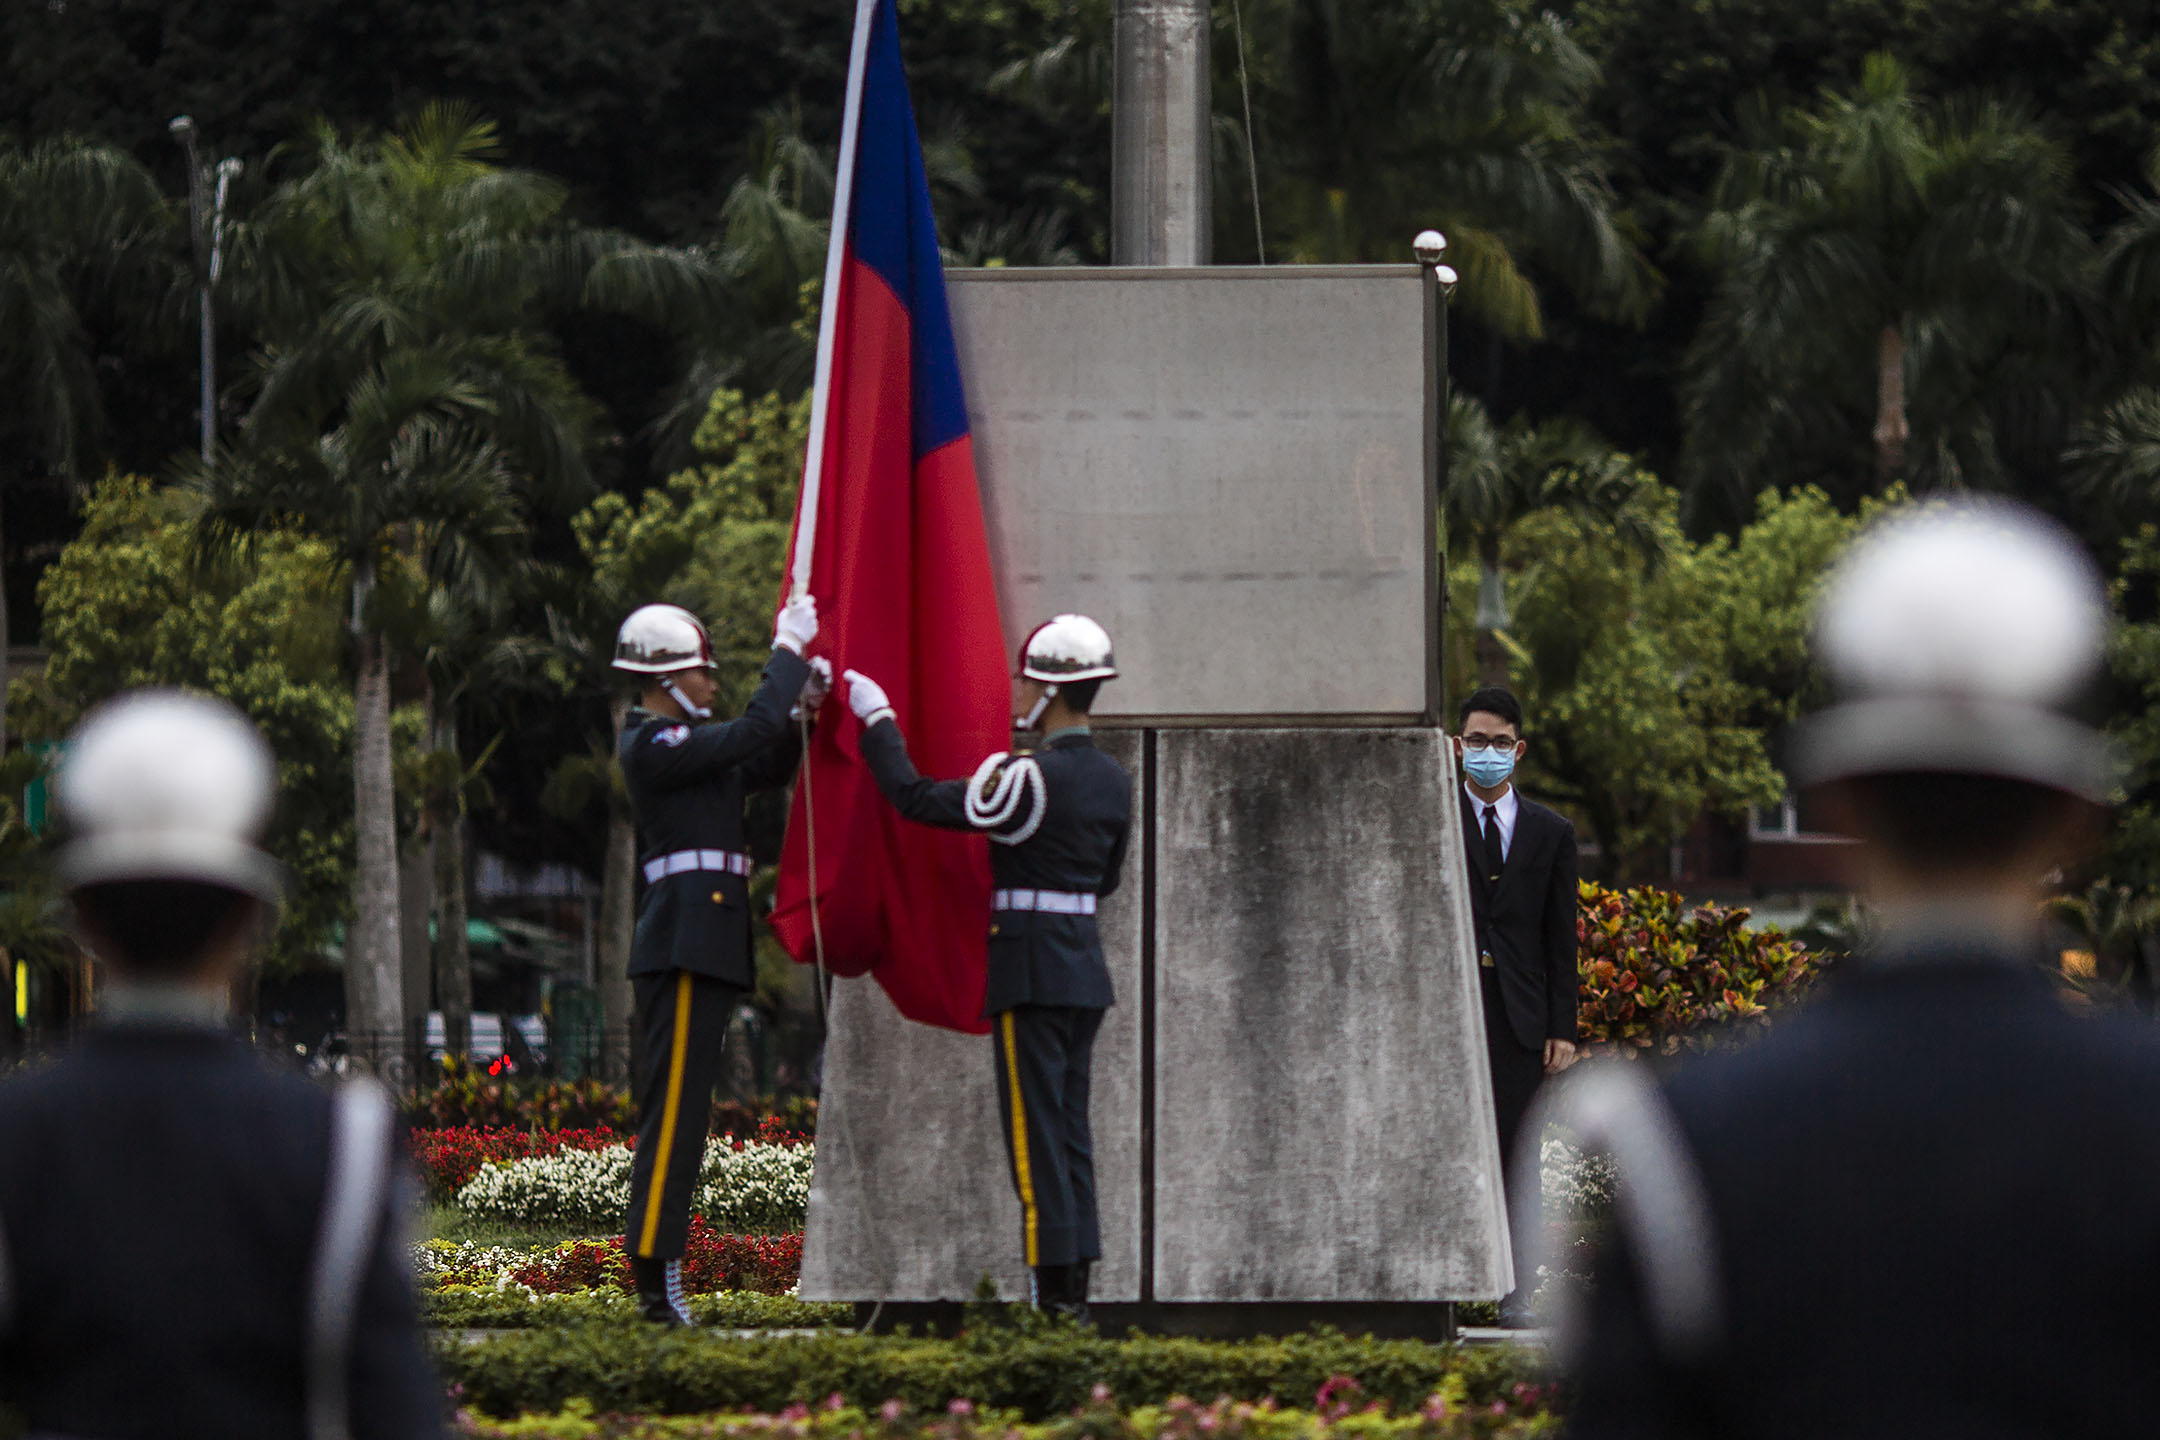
206	229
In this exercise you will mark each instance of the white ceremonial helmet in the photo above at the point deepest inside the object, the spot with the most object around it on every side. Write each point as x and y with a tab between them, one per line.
660	640
166	785
1957	635
1066	648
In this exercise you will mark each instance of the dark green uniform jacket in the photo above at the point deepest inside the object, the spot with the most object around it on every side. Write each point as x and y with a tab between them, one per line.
687	784
1072	841
161	1208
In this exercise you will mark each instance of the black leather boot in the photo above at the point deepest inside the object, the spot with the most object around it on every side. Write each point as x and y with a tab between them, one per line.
659	1291
1049	1287
1074	1306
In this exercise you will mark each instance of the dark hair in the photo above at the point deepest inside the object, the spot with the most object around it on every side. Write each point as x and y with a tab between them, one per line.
160	926
1493	700
1079	695
1940	824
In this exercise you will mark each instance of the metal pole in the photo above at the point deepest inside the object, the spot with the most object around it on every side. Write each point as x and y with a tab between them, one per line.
183	130
1161	195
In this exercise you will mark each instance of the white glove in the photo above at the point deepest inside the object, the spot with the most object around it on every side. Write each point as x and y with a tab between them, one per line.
816	688
797	625
867	698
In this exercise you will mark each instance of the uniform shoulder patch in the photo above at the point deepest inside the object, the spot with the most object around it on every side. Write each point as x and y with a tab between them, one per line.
671	734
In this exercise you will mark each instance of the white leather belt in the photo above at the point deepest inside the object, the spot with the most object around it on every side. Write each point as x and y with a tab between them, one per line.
683	862
1048	902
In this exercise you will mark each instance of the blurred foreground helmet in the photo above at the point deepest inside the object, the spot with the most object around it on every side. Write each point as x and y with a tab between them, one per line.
1066	648
660	640
162	785
1957	635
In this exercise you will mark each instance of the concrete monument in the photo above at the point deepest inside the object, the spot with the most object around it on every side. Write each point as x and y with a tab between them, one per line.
1235	471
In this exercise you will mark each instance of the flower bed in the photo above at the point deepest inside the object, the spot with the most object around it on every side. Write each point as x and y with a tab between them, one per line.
466	1095
1035	1370
712	1261
1448	1414
449	1158
744	1186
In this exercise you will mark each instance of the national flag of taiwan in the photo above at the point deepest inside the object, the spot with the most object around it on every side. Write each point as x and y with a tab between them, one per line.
890	534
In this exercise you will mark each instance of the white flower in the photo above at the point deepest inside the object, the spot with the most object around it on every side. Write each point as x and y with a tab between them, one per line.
757	1189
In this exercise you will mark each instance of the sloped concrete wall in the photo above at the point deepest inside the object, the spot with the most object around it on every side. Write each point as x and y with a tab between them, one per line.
913	1199
1323	1115
1322	1118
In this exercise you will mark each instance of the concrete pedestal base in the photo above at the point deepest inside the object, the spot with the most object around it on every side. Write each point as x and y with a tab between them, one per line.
1291	1103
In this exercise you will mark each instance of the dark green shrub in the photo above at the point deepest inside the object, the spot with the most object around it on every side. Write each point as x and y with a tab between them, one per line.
1036	1370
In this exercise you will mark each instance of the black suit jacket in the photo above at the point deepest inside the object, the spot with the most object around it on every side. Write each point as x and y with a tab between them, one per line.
161	1190
1076	846
1932	1197
687	784
1527	922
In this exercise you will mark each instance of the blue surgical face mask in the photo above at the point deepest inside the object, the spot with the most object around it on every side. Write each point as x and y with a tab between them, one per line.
1490	768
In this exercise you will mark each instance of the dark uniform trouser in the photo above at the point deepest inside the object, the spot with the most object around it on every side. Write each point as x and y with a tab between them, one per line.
681	1019
1516	1074
1043	1053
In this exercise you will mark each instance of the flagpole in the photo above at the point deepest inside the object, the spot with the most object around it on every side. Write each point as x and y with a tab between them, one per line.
806	510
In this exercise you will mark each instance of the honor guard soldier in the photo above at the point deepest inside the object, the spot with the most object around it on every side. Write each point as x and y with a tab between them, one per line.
691	961
193	1241
1057	820
1923	1203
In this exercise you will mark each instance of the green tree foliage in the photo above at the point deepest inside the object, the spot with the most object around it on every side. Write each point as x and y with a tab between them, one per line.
1498	474
1895	278
1388	116
1650	689
81	232
410	412
129	604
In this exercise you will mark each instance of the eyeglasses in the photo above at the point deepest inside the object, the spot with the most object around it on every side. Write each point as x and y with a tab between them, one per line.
1487	742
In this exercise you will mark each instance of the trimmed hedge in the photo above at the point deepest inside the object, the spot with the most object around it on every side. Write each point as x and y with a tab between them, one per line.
1038	1370
466	1308
1446	1416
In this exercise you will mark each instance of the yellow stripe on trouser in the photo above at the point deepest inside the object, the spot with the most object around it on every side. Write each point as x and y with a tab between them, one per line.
658	1181
1021	1173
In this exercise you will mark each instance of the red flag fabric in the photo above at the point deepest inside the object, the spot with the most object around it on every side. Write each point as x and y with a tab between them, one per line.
899	561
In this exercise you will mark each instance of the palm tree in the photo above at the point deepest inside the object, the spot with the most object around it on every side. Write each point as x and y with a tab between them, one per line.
1498	474
1380	118
409	409
83	228
468	650
1882	261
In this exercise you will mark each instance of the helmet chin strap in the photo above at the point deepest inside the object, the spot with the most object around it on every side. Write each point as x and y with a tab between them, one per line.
674	692
1049	691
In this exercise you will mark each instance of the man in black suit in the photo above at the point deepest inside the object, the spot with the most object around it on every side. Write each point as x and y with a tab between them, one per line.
1523	907
1923	1204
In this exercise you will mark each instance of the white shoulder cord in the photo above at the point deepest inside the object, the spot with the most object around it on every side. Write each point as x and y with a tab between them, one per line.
1663	1210
356	1195
995	794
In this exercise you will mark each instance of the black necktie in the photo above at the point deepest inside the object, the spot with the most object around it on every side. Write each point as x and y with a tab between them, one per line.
1493	856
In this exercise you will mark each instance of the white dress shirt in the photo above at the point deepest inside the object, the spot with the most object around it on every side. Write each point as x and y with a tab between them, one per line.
1504	810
